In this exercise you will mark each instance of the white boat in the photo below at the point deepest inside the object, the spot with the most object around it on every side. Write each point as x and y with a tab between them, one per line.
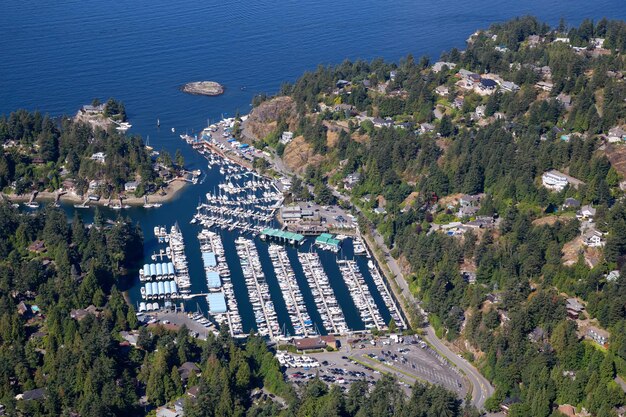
32	204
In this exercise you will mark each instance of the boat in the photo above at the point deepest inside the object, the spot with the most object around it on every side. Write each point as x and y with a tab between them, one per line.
123	126
32	204
173	130
158	123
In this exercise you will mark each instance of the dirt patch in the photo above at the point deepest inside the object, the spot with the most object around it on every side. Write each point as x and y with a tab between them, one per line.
408	202
573	249
617	157
450	200
551	220
262	120
299	154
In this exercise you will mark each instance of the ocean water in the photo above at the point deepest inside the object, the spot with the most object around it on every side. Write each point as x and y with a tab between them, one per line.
57	56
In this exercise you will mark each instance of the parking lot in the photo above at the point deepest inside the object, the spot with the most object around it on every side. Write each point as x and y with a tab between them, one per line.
409	362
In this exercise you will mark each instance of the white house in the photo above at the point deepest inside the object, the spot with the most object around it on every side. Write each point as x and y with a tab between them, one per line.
593	238
545	85
616	134
438	66
586	212
286	137
480	111
554	180
599	336
99	157
131	186
509	86
442	90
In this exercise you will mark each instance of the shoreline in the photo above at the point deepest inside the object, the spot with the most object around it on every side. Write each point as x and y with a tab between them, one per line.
171	192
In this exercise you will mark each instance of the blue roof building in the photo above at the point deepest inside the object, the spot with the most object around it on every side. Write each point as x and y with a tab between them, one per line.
217	303
209	260
213	279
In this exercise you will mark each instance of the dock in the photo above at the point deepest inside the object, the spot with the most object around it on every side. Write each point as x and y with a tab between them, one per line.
282	236
361	295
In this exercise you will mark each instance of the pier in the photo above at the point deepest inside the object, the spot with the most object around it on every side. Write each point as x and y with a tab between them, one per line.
331	314
386	295
282	236
258	289
361	295
302	323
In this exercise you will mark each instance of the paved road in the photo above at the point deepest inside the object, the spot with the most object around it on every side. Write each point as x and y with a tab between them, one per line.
481	388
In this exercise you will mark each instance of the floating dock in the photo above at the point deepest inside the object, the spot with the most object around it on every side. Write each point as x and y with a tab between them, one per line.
282	236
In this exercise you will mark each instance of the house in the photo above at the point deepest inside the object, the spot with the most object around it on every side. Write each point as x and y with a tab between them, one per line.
612	276
479	112
546	71
167	412
467	211
554	180
22	308
501	48
88	108
593	238
565	100
81	313
458	103
426	127
393	75
343	107
438	113
32	395
467	200
571	203
586	212
69	186
37	246
290	214
505	406
509	86
596	42
379	122
616	134
187	369
469	277
130	337
467	75
380	210
534	40
599	336
442	90
537	335
574	308
564	40
131	186
99	157
350	181
318	342
342	83
440	65
545	85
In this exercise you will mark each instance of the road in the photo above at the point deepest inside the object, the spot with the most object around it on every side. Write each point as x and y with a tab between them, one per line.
481	388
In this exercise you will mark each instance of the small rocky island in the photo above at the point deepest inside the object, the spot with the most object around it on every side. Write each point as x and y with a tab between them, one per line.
205	88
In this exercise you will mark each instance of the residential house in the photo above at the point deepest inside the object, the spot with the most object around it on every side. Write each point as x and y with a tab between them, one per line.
167	412
393	75
342	83
81	313
467	211
616	134
509	86
599	336
131	186
505	406
596	42
501	48
187	369
458	102
554	180
612	276
426	127
350	181
487	85
469	277
467	200
440	65
565	100
564	40
99	157
593	238
32	395
586	212
69	186
379	122
545	85
130	337
537	335
479	112
546	71
574	308
88	108
22	309
571	203
38	246
534	40
442	90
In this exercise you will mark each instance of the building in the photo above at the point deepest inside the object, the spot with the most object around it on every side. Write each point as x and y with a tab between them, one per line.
586	212
442	90
599	336
479	112
487	85
612	276
131	186
509	86
99	157
351	181
593	238
440	65
32	395
187	369
565	100
314	343
379	122
545	85
554	180
616	135
574	308
571	203
291	214
426	127
88	108
458	102
81	313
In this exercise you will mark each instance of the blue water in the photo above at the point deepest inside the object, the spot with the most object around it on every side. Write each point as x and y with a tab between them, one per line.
57	56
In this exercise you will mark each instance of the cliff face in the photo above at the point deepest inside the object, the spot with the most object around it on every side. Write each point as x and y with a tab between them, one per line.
299	154
262	120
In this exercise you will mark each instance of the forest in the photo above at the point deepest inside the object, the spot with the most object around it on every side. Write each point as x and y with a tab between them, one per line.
512	321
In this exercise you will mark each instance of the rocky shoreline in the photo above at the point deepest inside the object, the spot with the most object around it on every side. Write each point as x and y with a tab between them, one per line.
204	88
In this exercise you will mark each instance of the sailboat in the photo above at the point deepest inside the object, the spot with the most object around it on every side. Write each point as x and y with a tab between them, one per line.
158	123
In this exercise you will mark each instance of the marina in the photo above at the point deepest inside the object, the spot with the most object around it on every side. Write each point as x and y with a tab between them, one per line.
258	289
300	319
391	304
361	295
330	312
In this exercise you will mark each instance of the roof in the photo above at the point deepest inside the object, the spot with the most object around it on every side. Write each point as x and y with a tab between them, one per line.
217	302
488	82
282	234
35	394
208	258
309	343
187	368
213	279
